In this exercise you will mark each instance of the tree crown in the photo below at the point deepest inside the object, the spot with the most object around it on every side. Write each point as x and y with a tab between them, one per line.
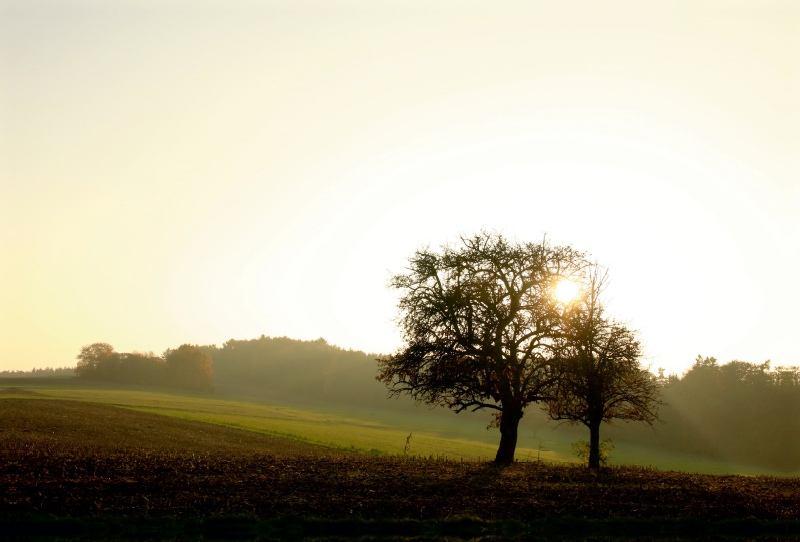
603	376
480	322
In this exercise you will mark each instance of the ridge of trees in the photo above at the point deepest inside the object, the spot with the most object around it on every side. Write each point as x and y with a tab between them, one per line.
186	367
313	369
44	372
738	411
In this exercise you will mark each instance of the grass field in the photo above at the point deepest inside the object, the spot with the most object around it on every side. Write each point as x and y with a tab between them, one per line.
376	433
79	425
359	430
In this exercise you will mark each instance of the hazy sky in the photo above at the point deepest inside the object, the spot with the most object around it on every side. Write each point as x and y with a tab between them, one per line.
180	171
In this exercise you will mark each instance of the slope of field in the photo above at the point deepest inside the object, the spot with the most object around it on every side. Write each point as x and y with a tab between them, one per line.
79	424
363	430
376	433
81	459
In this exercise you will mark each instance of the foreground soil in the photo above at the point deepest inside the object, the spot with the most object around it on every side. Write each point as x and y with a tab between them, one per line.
82	459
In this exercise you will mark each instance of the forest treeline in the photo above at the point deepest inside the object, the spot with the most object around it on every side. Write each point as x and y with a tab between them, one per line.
44	372
312	369
737	411
186	367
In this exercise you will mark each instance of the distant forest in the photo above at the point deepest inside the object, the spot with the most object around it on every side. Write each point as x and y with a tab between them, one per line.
311	369
737	411
44	372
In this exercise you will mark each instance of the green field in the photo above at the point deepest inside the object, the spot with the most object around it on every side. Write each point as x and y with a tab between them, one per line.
372	431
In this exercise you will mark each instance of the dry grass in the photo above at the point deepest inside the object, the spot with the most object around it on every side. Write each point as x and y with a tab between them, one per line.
83	459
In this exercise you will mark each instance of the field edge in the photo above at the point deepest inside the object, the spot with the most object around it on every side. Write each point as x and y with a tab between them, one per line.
291	527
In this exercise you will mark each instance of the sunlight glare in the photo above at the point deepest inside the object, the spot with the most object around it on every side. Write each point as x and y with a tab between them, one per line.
567	290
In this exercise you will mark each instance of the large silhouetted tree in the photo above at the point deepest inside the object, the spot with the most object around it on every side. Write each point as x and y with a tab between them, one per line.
603	378
480	325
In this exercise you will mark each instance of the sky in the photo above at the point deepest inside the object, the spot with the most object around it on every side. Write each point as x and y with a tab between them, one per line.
190	172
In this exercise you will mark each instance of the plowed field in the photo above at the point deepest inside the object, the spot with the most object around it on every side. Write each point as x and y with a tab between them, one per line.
83	459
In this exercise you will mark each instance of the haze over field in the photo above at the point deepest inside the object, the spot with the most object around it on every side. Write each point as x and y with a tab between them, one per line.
175	172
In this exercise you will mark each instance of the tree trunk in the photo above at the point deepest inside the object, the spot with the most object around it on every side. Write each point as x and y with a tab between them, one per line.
509	423
594	445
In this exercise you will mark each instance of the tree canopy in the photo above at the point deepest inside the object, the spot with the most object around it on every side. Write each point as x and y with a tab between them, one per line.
742	412
481	324
189	367
185	367
603	378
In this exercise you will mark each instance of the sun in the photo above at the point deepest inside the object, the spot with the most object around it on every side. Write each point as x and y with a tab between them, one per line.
567	290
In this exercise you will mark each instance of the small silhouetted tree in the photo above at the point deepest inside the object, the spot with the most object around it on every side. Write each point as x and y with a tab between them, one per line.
603	378
480	324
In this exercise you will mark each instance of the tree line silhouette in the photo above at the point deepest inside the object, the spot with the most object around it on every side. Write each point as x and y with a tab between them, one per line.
308	369
186	367
737	411
44	372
